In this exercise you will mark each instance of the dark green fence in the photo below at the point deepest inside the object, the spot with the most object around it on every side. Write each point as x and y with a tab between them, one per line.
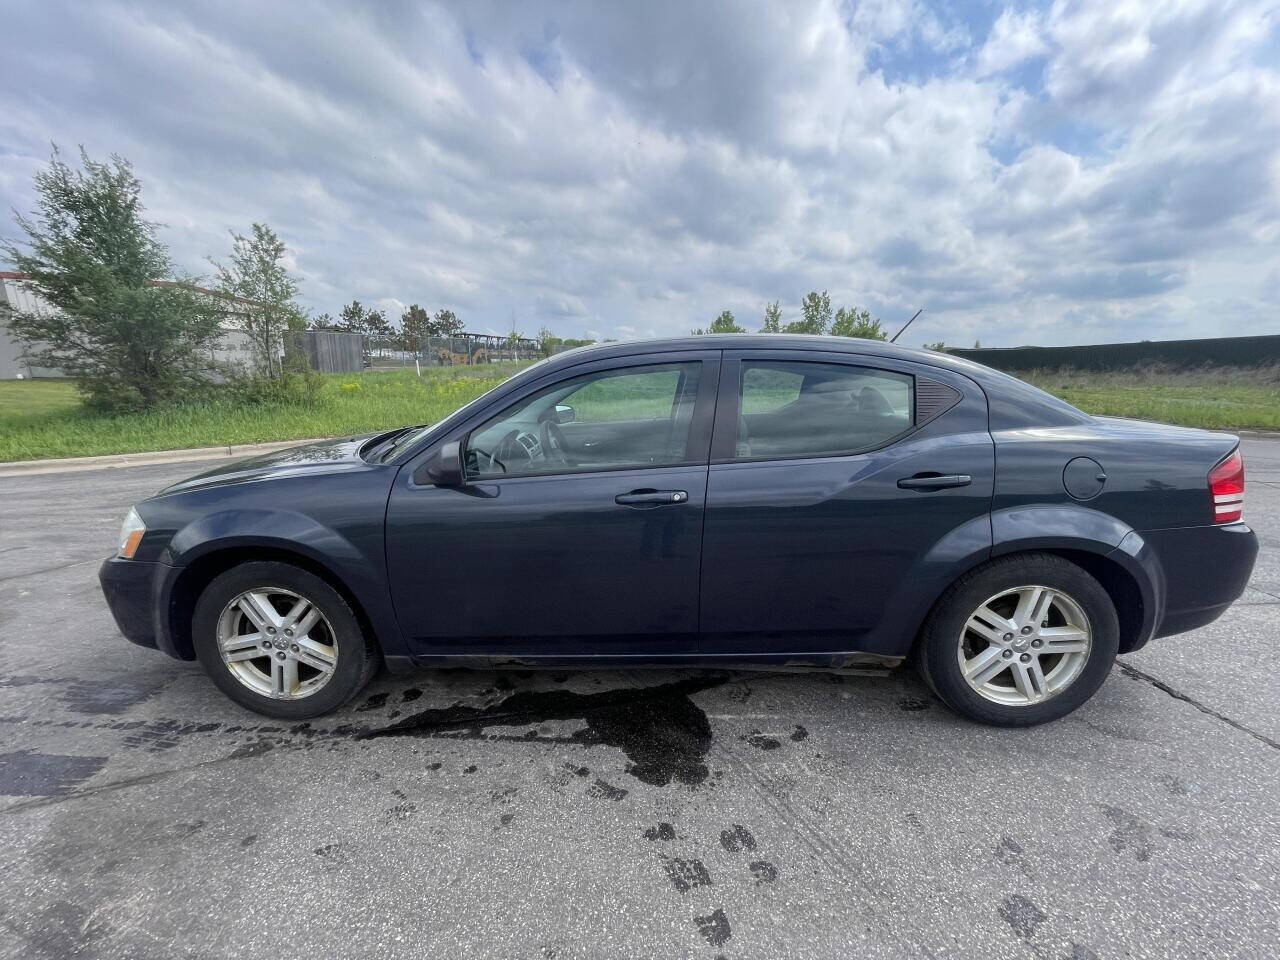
1224	351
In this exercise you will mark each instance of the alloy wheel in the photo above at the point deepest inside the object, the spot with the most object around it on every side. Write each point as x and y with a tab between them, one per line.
1024	645
277	643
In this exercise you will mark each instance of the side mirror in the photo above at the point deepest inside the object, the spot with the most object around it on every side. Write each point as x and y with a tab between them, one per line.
445	468
565	413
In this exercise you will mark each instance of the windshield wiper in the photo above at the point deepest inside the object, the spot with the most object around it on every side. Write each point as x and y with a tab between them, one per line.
399	441
373	453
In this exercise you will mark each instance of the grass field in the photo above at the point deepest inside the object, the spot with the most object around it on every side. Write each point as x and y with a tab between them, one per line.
42	418
1216	398
27	400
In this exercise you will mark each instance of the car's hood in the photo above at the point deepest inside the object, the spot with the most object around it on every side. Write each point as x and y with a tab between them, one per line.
341	453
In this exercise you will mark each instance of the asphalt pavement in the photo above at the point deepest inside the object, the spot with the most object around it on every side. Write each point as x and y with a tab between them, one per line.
621	813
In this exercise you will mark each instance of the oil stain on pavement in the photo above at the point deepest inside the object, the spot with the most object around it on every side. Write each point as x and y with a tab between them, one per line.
663	733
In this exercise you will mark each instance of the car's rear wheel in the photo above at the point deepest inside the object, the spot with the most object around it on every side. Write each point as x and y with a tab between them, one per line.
1020	640
281	641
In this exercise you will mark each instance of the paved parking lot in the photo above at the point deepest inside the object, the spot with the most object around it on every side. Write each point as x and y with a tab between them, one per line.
622	813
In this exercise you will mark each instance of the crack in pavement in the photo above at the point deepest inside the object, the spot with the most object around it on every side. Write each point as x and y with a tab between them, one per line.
1134	673
298	738
117	784
63	566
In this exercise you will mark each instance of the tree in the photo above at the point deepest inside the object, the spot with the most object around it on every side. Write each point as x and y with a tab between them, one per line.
353	318
977	344
853	322
446	324
259	280
772	318
377	325
414	324
322	322
815	317
721	324
130	339
938	347
547	341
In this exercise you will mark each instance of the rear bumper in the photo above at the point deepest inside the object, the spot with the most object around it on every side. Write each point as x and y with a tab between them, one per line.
1205	570
135	591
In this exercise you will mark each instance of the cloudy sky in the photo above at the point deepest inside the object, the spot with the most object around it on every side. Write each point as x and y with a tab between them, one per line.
1063	173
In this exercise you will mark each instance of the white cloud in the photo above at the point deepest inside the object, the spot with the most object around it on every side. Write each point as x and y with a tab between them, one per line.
1015	38
1094	170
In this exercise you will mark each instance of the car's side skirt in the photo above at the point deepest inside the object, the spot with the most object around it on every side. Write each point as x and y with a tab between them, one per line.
853	662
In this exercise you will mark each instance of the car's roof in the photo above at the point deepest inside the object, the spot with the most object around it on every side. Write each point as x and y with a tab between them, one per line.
767	341
1023	404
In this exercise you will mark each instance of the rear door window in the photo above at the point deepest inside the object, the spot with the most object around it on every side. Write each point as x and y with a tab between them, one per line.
802	409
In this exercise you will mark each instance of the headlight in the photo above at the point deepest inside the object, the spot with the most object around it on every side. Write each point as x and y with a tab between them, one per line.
131	532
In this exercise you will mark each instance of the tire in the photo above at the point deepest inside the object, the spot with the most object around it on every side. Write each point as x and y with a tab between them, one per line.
1004	690
333	661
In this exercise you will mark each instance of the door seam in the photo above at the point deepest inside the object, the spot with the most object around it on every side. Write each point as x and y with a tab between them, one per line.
706	493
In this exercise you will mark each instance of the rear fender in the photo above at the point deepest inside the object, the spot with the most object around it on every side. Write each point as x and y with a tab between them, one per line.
1059	527
905	610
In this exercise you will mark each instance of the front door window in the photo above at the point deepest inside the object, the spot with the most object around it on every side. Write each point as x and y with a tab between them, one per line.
630	418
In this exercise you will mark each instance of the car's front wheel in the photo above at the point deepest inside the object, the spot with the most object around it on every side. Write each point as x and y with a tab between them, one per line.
1020	640
281	641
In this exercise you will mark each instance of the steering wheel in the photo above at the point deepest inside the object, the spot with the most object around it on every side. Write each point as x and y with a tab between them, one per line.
553	446
504	451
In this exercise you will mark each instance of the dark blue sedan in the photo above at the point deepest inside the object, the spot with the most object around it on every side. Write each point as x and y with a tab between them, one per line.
772	500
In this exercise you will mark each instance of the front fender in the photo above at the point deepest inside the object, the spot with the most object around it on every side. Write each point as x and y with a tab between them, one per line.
284	529
361	571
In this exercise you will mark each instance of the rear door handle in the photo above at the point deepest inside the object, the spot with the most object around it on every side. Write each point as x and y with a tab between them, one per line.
651	498
934	481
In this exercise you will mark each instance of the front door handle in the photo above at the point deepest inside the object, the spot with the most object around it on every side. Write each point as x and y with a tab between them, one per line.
651	498
934	481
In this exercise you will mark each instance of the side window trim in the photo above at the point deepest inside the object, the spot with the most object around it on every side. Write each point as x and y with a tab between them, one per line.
724	438
697	446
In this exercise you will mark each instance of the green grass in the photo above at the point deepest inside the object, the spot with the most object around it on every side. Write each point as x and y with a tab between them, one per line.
26	400
43	418
1216	398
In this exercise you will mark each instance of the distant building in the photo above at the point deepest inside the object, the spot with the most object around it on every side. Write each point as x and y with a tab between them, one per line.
17	294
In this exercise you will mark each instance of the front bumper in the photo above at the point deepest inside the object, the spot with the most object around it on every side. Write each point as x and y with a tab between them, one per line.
132	589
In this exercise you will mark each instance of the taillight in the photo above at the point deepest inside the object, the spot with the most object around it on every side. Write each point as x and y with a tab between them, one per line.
1226	486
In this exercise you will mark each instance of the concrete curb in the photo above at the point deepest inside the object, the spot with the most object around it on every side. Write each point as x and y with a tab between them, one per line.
27	468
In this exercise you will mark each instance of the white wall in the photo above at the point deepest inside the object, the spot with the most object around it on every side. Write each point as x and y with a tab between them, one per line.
235	347
19	296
